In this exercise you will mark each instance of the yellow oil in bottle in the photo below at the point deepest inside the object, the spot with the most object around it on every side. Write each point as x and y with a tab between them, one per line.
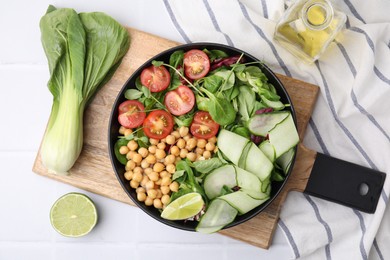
308	27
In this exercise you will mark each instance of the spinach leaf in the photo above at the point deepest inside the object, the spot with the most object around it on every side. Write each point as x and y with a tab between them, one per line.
202	103
243	131
184	120
215	54
229	79
246	102
207	166
213	82
220	109
133	94
176	61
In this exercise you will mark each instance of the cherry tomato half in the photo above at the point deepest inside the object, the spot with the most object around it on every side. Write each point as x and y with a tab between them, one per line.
131	113
158	124
180	100
155	78
203	126
196	64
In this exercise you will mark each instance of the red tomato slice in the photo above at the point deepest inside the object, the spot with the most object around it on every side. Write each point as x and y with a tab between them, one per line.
180	100
196	64
158	124
203	126
131	113
155	78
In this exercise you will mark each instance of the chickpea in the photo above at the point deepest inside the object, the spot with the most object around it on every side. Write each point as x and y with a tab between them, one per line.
175	150
191	144
130	154
191	156
138	169
210	146
170	139
157	203
181	143
127	132
212	140
186	138
199	150
124	150
158	167
153	141
130	165
165	199
152	193
151	159
147	171
183	131
171	168
160	146
145	180
178	159
165	190
207	155
176	134
169	159
134	184
137	176
148	201
166	181
141	196
201	143
133	145
183	153
159	194
154	176
152	149
122	129
129	175
215	149
165	174
158	182
143	152
174	186
140	190
149	185
160	154
144	164
137	158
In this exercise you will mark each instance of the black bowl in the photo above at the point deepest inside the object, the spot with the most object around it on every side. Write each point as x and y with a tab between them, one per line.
114	128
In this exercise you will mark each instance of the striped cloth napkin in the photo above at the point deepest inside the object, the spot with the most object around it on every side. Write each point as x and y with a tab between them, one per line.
350	121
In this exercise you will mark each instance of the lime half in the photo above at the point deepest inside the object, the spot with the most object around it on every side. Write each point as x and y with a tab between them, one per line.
73	215
184	207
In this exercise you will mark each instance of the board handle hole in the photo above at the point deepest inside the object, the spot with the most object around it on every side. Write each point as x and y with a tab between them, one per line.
364	189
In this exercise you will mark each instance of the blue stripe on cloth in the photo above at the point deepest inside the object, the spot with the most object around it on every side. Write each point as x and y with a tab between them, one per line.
375	243
370	43
289	238
361	108
353	95
338	121
318	136
353	11
326	226
265	10
261	33
363	228
215	23
175	23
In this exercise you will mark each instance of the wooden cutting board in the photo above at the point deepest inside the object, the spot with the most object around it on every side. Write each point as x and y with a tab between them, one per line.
93	172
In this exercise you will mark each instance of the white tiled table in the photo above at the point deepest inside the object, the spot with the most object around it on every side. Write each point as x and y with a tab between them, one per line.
123	232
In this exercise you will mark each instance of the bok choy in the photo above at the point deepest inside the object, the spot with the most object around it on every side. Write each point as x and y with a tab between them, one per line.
83	51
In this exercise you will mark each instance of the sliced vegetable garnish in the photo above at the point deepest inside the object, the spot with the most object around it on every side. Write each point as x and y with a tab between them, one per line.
158	124
196	64
203	126
155	78
180	101
131	113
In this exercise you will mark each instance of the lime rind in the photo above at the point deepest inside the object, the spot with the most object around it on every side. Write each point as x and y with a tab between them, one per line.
73	215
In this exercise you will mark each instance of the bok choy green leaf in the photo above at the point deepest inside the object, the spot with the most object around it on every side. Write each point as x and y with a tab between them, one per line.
83	52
